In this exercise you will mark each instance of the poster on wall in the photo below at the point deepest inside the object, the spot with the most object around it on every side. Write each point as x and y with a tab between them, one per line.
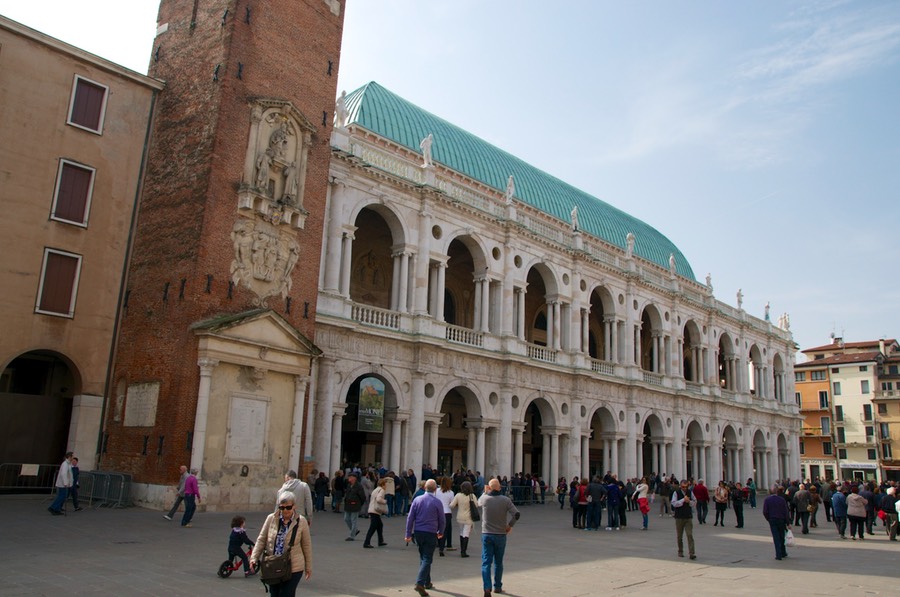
371	405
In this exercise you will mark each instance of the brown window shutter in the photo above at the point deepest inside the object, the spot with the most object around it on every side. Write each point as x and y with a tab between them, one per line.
71	199
88	104
59	282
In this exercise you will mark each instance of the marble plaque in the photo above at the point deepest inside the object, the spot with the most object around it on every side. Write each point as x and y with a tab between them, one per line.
247	429
140	404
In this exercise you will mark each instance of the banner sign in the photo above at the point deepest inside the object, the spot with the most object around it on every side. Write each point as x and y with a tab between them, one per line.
371	405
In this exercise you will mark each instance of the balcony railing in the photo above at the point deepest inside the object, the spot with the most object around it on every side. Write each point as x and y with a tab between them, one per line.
541	353
693	386
382	318
462	335
604	367
653	378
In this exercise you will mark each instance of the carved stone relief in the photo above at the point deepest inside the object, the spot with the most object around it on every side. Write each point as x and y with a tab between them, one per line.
264	258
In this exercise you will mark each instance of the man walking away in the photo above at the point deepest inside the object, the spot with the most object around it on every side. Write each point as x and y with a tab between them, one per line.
889	506
191	497
684	521
801	502
497	520
775	510
180	497
301	491
701	494
426	520
839	510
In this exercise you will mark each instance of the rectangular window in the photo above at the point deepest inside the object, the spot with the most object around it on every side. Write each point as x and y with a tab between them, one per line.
826	448
882	409
799	376
864	386
797	397
887	386
873	454
802	450
870	430
88	105
887	452
59	283
893	369
823	399
841	436
863	367
835	369
885	430
817	375
867	412
837	388
838	413
842	453
826	425
74	186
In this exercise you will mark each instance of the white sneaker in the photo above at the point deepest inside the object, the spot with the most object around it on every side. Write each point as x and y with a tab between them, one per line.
167	517
608	528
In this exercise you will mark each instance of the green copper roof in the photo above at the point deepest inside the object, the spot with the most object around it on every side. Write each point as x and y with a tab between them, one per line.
375	108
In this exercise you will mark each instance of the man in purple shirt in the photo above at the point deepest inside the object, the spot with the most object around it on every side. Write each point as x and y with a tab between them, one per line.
775	510
426	519
191	497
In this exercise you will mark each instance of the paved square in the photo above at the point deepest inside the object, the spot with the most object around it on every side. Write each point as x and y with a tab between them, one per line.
136	552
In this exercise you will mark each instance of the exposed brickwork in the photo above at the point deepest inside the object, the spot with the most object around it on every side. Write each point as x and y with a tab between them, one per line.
189	202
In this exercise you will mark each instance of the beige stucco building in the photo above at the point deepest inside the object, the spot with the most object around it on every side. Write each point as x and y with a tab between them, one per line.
74	128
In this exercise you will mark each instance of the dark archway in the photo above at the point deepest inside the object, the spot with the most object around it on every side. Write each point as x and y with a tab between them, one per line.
358	443
36	391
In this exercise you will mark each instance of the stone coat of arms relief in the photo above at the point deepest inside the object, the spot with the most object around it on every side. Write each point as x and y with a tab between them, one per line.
270	199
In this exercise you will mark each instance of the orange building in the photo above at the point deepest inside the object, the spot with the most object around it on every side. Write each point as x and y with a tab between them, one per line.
813	395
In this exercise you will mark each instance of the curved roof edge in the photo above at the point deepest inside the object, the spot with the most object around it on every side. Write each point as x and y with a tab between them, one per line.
382	112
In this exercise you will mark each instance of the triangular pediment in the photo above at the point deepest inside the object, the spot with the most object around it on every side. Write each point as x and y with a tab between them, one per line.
259	327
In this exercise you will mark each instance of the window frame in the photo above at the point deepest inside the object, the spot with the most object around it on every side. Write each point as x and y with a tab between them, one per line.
827	449
75	281
835	388
102	119
865	387
90	194
823	404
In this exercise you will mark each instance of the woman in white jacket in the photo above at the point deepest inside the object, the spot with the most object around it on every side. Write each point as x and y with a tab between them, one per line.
461	502
377	507
641	492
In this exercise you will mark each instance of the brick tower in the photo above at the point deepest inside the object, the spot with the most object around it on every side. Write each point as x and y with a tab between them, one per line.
215	345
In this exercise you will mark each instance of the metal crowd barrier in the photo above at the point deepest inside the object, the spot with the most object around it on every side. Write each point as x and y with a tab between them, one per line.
96	488
27	478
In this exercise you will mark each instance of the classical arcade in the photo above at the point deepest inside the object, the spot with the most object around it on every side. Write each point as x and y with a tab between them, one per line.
518	324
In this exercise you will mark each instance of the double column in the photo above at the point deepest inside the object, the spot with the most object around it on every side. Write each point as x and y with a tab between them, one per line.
482	304
437	275
520	313
475	449
400	287
554	322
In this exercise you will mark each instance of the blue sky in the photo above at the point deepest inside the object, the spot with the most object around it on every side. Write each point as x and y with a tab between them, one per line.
762	137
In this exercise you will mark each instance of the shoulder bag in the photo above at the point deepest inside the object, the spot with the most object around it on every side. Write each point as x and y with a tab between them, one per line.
473	510
275	570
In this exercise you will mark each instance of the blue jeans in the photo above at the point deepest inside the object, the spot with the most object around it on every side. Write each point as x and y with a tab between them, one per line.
778	528
594	514
190	506
427	542
702	509
61	494
350	519
401	503
492	549
390	505
612	516
320	502
286	589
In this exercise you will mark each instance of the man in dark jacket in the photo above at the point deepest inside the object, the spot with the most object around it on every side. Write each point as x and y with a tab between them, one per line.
597	493
613	495
682	500
775	510
354	497
889	505
866	492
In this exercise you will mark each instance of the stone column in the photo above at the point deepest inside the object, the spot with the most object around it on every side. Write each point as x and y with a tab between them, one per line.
346	263
517	451
337	422
296	450
479	448
198	446
520	298
554	457
486	305
585	466
476	304
631	454
395	445
386	444
433	441
504	456
325	398
334	240
654	457
416	426
551	323
607	457
423	263
545	456
403	286
608	339
639	457
585	333
470	445
703	471
441	287
614	460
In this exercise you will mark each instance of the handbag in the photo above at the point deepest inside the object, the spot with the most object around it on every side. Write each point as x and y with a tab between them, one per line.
473	511
811	508
789	538
275	570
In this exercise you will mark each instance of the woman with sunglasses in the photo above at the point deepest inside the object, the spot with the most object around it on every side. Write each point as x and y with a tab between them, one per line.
275	538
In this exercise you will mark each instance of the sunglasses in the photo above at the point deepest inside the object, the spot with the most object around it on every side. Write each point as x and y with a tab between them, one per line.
291	507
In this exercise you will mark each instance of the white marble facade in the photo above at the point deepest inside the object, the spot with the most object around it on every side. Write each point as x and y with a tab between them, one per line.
567	355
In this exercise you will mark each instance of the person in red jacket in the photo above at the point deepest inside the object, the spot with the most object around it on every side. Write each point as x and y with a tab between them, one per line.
701	494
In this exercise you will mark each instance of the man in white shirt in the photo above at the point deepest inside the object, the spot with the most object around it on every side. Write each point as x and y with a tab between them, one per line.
63	483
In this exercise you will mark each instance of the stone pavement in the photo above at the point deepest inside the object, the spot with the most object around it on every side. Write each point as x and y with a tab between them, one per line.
136	552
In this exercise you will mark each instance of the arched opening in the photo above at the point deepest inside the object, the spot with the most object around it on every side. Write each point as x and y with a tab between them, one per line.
727	363
782	469
778	377
450	308
653	459
692	362
36	391
696	452
651	344
536	310
461	436
533	441
369	400
372	274
604	455
601	320
460	282
759	474
730	462
756	372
